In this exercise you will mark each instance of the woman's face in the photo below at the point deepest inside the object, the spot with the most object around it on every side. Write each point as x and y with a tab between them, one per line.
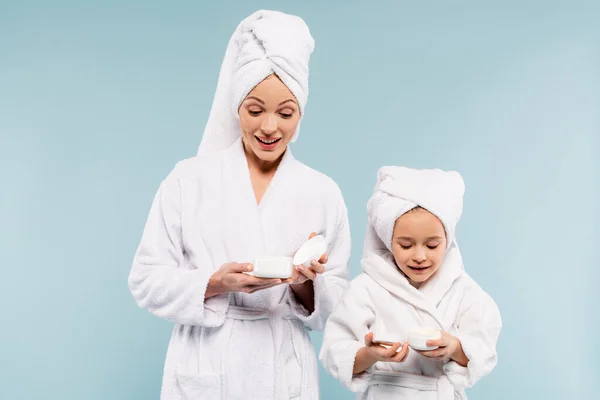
269	116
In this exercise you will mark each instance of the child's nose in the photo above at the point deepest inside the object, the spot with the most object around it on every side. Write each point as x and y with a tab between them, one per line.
419	256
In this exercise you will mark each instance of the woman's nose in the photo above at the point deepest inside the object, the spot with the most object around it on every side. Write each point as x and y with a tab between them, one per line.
269	124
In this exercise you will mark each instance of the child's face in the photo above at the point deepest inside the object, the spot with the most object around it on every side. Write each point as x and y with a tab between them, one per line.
419	244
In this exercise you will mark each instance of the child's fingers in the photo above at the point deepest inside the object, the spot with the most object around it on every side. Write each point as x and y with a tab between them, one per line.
401	355
438	353
406	353
438	342
383	353
369	339
391	352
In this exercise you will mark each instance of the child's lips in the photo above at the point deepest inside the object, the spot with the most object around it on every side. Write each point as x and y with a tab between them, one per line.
419	268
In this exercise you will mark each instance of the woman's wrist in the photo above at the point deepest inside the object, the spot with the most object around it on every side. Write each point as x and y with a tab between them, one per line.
215	287
304	293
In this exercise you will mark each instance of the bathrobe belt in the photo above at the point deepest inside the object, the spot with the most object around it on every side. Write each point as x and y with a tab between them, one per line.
277	317
440	385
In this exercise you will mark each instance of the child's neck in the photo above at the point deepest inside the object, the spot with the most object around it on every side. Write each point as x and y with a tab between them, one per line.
412	283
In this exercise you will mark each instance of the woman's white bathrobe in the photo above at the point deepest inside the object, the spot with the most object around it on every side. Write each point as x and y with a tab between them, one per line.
450	300
238	346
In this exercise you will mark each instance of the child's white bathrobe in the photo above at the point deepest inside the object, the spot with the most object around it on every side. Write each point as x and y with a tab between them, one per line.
449	300
238	346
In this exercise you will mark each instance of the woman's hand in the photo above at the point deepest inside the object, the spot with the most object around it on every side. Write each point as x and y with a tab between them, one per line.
449	348
301	273
230	277
374	352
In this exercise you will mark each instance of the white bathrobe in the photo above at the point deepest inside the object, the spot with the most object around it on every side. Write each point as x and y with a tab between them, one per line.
241	346
238	346
450	300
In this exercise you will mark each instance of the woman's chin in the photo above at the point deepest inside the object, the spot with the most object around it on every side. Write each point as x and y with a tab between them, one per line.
269	155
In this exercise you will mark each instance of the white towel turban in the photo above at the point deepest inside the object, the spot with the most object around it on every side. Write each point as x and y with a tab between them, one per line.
265	43
400	189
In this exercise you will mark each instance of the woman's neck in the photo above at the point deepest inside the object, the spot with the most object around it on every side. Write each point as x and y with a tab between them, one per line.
262	167
261	173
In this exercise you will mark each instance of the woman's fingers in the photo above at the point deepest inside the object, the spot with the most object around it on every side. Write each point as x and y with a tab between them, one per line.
317	267
307	272
323	259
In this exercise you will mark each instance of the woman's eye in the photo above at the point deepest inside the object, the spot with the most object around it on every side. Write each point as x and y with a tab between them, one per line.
254	113
286	115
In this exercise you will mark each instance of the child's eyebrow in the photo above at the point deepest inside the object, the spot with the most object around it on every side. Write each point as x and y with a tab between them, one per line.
404	238
411	239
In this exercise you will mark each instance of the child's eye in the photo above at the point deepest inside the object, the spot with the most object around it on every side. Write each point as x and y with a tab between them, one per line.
432	246
405	247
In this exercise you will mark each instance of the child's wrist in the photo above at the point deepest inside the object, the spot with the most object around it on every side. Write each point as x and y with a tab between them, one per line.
459	355
363	360
368	357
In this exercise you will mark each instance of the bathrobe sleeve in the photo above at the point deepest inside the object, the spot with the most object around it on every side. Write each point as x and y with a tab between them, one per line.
157	281
478	330
344	336
329	286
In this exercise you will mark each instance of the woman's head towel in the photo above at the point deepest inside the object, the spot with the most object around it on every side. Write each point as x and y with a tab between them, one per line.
265	43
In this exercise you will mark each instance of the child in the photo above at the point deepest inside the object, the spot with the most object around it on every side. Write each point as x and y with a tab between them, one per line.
412	277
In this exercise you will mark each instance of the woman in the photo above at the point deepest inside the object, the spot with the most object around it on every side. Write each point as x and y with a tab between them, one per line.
244	195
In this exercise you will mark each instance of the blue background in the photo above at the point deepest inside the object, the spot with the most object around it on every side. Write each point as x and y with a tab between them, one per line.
99	101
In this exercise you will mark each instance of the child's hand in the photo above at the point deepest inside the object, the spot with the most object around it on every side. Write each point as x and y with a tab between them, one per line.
449	348
380	353
373	352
